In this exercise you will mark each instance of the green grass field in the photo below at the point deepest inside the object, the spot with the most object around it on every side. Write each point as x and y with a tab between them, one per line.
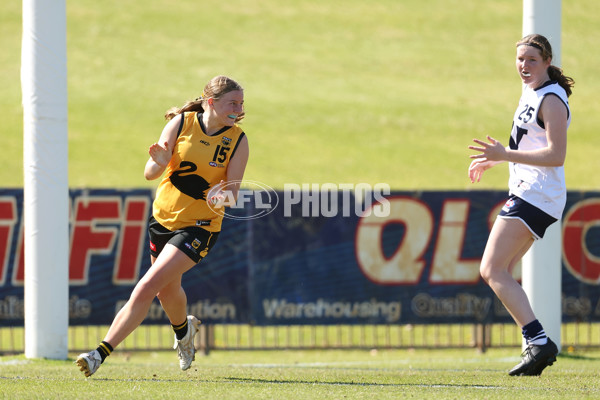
383	374
336	91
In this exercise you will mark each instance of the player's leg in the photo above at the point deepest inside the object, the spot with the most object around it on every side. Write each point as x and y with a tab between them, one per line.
168	267
196	243
173	300
541	350
509	240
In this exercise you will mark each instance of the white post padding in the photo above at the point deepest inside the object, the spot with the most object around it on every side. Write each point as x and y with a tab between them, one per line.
545	17
542	265
542	281
45	164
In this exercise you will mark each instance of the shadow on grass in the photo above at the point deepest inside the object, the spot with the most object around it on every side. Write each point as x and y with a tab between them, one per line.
317	382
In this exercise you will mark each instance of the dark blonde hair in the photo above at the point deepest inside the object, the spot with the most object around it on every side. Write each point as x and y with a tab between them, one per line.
215	89
543	45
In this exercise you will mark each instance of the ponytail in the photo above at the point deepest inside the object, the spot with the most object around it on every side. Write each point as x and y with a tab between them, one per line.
566	82
193	105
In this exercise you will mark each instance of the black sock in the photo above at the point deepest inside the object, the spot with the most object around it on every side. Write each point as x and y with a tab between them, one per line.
534	333
104	348
180	330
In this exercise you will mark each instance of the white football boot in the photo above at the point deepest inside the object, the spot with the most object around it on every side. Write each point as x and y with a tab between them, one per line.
185	347
89	362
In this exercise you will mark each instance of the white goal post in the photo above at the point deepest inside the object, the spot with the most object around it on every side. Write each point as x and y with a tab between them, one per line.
542	265
46	191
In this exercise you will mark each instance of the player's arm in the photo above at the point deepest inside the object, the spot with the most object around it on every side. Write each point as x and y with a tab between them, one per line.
554	114
161	151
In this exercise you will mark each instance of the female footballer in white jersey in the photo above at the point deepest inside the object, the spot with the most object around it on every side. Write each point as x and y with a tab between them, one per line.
200	147
537	195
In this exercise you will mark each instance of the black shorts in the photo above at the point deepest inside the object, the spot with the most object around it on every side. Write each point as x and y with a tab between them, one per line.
534	219
195	242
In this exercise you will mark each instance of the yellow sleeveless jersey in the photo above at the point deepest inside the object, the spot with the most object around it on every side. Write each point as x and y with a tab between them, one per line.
198	163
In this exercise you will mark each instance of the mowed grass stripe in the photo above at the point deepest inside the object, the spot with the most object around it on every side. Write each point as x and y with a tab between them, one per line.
337	91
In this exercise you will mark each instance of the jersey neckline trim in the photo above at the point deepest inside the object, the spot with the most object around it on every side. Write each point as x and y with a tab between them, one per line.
220	131
545	84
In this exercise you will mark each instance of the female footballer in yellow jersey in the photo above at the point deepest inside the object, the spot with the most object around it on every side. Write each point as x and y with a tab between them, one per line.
200	147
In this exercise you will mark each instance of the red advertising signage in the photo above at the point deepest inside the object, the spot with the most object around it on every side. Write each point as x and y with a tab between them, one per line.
406	257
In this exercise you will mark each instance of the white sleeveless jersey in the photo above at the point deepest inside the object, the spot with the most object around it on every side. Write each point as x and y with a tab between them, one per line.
543	187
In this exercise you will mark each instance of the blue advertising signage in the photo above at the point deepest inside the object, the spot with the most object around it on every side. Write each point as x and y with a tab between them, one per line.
306	255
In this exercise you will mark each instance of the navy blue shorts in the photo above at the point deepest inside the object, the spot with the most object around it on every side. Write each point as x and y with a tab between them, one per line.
534	219
194	241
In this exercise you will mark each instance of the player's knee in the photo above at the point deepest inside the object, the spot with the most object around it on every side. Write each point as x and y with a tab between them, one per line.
169	292
143	291
486	272
162	295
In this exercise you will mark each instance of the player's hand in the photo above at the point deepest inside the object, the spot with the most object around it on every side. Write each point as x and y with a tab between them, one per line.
218	198
491	150
477	167
161	154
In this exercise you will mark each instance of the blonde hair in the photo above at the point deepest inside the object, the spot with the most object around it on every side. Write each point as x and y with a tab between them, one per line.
215	89
556	74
